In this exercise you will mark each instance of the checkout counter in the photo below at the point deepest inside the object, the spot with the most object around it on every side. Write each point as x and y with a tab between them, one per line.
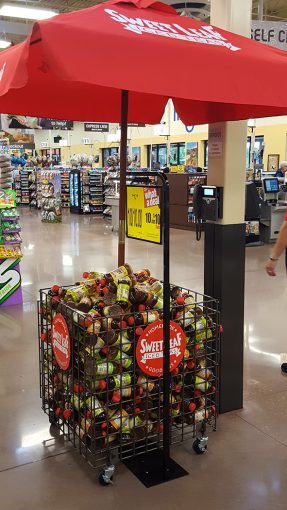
273	208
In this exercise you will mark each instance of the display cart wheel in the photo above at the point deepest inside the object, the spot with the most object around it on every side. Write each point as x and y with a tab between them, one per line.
200	445
106	475
52	418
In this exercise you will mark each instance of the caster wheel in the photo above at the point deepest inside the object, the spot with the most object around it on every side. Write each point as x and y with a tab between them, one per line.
106	475
52	418
200	446
103	480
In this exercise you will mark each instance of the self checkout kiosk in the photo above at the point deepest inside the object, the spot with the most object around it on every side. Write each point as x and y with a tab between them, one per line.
273	209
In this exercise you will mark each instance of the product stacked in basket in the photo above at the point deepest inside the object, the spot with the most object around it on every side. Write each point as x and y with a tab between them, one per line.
101	358
5	172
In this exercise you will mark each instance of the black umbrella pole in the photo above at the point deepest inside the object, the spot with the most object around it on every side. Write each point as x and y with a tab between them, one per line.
123	171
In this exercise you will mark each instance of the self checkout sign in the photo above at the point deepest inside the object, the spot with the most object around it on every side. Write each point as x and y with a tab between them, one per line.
144	214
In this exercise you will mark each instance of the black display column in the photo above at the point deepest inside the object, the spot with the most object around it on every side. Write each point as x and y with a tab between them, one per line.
224	275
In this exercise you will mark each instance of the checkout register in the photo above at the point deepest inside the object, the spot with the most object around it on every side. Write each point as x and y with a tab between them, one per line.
273	208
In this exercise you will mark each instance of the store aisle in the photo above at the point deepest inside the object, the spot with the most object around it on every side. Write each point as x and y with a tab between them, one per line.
245	467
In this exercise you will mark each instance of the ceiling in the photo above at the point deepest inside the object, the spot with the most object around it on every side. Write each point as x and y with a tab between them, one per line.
16	30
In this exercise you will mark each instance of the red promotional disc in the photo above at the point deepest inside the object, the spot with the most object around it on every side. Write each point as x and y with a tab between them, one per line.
149	351
61	341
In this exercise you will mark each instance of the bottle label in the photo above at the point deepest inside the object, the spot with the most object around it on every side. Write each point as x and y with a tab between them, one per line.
124	342
187	319
120	420
118	273
93	350
104	368
148	385
123	292
77	403
126	392
122	380
94	406
123	359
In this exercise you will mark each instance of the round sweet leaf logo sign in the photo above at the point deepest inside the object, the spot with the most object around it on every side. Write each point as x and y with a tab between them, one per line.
149	351
61	341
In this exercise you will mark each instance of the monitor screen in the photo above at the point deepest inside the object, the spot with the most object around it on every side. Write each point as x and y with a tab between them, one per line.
271	185
209	192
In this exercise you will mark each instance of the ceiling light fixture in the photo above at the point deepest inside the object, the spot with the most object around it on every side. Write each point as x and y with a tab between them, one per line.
4	44
16	11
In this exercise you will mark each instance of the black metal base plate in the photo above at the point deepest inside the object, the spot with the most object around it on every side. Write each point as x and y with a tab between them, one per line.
149	468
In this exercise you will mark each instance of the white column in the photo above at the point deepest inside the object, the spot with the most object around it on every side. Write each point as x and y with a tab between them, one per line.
228	169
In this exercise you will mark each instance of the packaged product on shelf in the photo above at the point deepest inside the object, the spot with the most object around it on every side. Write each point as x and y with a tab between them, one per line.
106	360
51	196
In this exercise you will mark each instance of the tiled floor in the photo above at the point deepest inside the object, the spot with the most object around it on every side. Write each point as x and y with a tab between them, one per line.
246	465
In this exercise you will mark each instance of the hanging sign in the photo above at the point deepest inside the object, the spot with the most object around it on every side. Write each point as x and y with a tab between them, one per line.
10	282
149	351
273	33
61	341
215	141
144	214
96	127
136	125
66	125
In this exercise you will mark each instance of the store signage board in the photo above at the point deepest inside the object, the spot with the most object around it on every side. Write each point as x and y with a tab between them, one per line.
65	125
96	127
144	214
10	283
136	125
18	146
215	141
273	33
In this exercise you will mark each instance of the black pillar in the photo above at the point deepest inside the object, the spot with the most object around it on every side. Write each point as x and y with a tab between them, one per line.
224	274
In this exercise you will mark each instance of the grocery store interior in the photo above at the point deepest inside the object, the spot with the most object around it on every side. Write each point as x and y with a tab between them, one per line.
59	231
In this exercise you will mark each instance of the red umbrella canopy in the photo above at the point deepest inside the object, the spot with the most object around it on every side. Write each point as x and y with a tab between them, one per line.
75	65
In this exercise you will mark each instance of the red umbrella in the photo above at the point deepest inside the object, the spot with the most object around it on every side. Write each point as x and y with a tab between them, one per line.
80	66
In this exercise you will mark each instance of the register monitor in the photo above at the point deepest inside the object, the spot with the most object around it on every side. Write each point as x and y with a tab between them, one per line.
270	189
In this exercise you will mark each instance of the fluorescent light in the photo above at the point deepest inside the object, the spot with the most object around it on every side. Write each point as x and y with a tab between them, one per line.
16	11
4	44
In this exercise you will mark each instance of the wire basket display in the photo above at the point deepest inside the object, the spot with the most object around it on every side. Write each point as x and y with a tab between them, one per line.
101	399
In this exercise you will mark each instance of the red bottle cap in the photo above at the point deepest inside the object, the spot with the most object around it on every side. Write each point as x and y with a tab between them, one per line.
123	325
139	331
104	433
88	413
105	349
137	410
141	307
177	315
160	428
44	337
56	299
88	322
102	282
104	425
138	400
55	288
180	300
191	407
220	328
190	365
177	388
85	274
197	347
67	414
197	393
105	290
131	320
78	388
102	384
213	389
116	397
101	304
140	390
58	411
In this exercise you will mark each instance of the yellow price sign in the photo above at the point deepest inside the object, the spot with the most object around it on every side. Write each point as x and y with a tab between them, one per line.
143	214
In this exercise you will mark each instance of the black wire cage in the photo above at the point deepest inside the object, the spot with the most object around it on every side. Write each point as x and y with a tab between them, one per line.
104	404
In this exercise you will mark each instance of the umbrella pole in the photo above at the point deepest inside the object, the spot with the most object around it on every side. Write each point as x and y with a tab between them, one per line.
123	171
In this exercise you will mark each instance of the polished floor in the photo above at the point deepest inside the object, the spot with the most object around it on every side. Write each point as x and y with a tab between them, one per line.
246	464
